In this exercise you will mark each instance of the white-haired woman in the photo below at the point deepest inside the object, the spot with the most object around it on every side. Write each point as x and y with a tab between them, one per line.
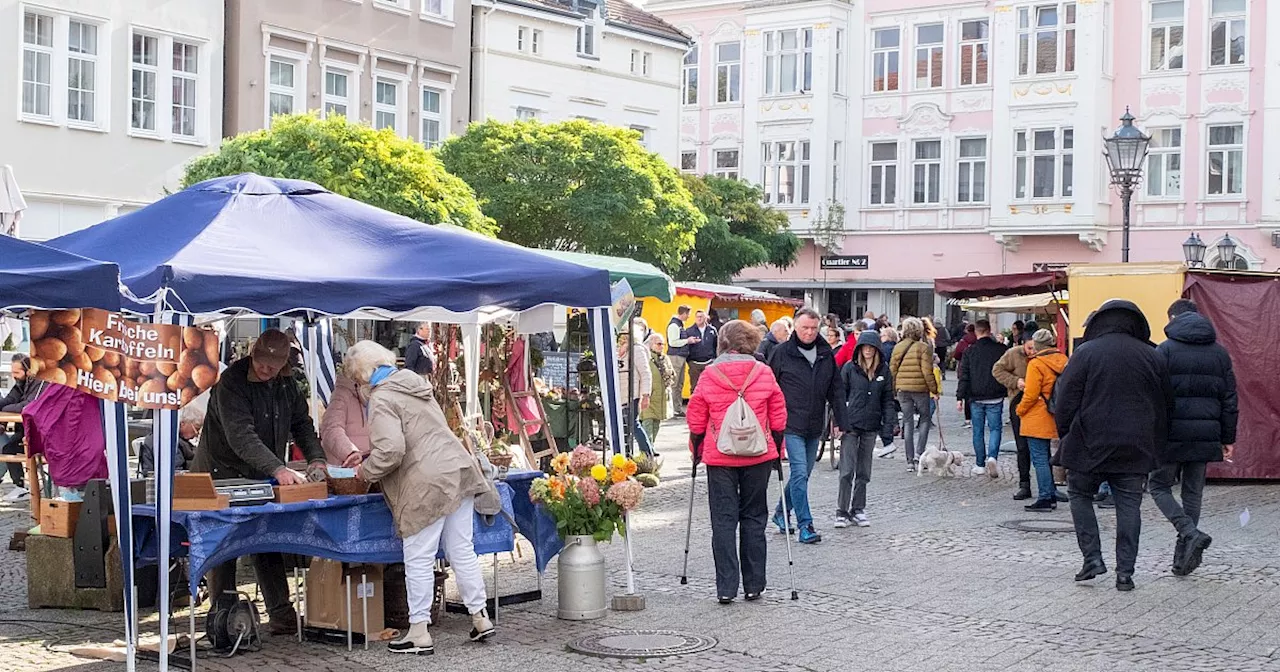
432	485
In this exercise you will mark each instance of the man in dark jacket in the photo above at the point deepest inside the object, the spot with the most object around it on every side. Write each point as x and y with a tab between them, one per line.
255	409
26	388
1202	429
1112	412
805	367
417	355
985	396
868	411
778	333
701	338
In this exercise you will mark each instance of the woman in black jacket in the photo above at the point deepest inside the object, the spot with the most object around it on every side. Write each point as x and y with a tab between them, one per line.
869	411
24	391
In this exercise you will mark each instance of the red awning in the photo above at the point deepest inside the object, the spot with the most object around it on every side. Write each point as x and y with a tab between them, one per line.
1013	284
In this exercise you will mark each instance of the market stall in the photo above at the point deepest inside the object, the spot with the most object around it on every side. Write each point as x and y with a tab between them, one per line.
1041	293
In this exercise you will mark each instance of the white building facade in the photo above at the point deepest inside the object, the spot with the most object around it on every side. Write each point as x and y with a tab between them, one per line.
608	62
110	100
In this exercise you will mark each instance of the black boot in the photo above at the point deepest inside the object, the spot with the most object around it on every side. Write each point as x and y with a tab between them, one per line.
1196	545
1042	505
1024	492
1124	582
1180	556
1092	569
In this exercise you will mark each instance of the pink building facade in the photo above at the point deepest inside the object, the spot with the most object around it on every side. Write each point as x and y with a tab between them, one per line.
946	138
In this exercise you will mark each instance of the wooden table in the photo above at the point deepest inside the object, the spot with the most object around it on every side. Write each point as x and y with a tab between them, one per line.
33	475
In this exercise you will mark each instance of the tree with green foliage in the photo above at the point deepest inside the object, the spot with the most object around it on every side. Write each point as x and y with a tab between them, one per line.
577	186
740	233
374	167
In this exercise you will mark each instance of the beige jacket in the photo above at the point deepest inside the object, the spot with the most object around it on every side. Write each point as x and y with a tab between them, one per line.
1011	368
425	471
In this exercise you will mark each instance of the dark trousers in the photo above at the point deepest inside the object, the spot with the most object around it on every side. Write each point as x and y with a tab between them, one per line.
941	352
855	472
1127	490
1024	449
1186	516
269	568
739	502
695	374
16	469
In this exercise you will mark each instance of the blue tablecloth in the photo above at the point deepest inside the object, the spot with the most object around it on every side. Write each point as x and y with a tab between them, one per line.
533	521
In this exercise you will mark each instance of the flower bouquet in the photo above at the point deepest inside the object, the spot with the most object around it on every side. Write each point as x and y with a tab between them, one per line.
587	498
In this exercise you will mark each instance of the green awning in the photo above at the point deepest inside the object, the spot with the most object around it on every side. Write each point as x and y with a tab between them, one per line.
646	280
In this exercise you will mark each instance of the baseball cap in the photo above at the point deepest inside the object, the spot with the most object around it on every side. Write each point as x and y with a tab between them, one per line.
271	348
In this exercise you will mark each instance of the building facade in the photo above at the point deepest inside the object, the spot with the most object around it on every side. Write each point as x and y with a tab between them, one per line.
554	60
966	137
400	64
109	104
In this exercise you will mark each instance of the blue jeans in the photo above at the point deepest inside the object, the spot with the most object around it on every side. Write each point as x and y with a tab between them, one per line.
988	419
1045	489
802	453
631	416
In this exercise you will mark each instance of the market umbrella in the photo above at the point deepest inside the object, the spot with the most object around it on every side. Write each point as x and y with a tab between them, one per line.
11	202
646	280
36	276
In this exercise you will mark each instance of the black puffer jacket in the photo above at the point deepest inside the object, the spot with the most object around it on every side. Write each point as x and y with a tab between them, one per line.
22	393
807	388
868	403
1204	391
767	344
1115	396
976	380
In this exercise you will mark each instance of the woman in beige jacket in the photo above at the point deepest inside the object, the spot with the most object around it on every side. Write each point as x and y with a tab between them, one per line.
431	483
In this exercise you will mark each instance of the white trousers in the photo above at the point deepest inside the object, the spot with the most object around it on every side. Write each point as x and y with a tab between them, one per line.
454	531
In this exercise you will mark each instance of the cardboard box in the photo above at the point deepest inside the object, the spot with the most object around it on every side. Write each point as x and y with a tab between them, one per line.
58	518
289	494
327	594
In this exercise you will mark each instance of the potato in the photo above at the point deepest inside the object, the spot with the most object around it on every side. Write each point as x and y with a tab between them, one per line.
95	353
72	337
130	367
189	361
82	361
149	391
57	375
147	369
211	347
177	381
172	343
70	372
188	393
66	318
51	348
106	377
111	359
204	376
39	324
192	338
166	369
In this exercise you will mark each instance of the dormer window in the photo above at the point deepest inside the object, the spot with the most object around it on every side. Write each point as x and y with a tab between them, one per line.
589	31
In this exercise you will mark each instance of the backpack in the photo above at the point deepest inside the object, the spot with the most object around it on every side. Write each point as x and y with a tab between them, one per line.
741	434
1051	403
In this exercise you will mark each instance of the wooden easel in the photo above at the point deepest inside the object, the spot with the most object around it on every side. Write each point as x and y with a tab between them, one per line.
535	458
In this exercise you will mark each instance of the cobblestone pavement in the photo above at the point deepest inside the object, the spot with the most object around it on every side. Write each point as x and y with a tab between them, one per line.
936	583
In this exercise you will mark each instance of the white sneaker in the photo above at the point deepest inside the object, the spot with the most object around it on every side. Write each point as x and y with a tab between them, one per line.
18	494
841	523
993	468
887	450
861	519
977	470
481	626
416	640
967	425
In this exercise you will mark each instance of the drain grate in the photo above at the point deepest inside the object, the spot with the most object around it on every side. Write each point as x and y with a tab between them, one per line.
1039	525
641	644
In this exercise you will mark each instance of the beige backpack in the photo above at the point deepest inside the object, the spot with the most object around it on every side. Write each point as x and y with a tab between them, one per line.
741	434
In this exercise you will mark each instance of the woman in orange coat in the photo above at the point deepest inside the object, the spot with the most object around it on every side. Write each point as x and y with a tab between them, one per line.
1037	423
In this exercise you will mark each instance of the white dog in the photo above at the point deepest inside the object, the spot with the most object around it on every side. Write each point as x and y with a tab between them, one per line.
939	462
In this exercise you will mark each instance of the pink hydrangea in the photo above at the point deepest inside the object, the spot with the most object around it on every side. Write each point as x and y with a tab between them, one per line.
590	491
582	459
626	494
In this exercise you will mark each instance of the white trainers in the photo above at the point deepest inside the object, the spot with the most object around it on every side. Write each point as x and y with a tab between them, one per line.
416	640
18	494
861	519
841	523
977	470
993	467
886	451
481	626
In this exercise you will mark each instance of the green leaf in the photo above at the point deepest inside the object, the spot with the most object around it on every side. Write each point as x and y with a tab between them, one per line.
740	233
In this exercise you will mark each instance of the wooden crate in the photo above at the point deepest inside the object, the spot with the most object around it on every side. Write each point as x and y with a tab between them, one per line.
58	518
289	494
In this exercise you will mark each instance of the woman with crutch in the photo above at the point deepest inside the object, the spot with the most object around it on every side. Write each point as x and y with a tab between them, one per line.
740	447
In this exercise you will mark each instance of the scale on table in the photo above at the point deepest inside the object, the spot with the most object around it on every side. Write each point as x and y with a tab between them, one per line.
244	491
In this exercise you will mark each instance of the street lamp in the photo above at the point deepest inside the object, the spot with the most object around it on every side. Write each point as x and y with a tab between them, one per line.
1126	152
1193	251
1227	252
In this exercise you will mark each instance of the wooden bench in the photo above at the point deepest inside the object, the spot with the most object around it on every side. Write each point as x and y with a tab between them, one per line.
30	462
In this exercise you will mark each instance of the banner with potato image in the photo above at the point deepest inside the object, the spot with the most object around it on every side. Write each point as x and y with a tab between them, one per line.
103	354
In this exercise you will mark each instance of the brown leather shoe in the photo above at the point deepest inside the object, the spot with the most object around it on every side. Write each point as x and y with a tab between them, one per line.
283	626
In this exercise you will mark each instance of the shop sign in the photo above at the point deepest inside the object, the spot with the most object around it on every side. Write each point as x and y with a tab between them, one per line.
1049	266
845	262
158	366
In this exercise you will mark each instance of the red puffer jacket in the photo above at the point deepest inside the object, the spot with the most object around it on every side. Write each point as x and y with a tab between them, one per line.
714	396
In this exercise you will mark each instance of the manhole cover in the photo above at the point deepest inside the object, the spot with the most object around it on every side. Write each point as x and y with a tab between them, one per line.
1039	525
641	644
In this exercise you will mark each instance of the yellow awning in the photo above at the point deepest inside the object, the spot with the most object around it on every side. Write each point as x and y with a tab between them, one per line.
1031	303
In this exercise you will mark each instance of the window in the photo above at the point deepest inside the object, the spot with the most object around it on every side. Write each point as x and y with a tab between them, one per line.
839	64
727	164
337	93
437	8
1226	32
1226	160
535	42
1164	163
522	38
641	62
646	64
689	82
37	64
587	34
644	135
144	72
1047	39
884	59
729	72
926	169
433	116
1040	157
929	56
688	162
971	175
385	104
975	50
786	172
526	113
1167	34
82	68
788	61
185	70
835	170
281	90
884	173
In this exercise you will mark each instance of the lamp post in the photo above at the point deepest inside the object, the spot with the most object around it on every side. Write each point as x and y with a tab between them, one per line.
1193	251
1126	152
1227	252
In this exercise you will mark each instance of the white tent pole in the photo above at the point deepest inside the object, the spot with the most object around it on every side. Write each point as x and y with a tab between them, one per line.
471	359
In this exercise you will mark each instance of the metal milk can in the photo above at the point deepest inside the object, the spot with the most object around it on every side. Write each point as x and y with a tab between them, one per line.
581	580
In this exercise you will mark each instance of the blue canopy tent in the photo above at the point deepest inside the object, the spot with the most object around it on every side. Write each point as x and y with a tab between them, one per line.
36	276
274	247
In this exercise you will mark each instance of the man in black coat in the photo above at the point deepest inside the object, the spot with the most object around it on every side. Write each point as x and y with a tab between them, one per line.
805	367
1202	429
1112	410
417	355
985	395
778	333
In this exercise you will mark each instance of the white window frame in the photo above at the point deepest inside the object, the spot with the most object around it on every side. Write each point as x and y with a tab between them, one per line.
927	171
1028	32
646	64
728	172
881	168
774	54
36	50
689	77
441	118
978	46
978	166
297	91
1226	150
445	15
398	109
645	135
882	58
838	67
60	56
727	69
685	166
525	113
144	68
1165	27
95	62
589	35
177	75
1163	153
1063	160
772	168
522	38
352	101
934	54
1229	18
535	42
837	149
167	76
